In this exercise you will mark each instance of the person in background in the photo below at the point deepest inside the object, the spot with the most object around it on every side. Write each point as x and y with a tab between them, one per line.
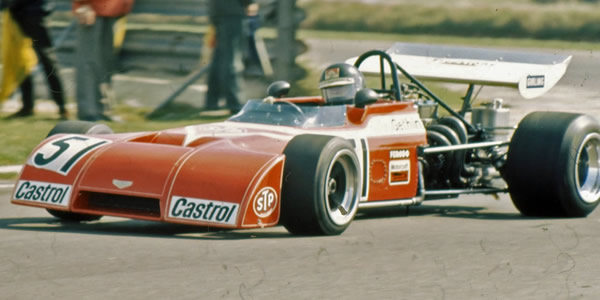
30	16
94	60
252	65
223	80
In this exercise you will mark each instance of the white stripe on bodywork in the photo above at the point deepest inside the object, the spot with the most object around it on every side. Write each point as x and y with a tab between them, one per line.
377	126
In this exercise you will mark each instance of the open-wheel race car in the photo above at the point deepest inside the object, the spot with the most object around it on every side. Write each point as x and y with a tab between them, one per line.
309	163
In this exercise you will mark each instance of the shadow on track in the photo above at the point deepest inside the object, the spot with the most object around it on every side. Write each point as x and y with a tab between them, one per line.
127	227
447	211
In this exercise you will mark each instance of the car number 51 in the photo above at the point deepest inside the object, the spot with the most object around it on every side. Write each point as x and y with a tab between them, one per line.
62	154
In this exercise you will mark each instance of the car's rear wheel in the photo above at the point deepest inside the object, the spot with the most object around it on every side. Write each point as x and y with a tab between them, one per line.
553	165
321	185
77	127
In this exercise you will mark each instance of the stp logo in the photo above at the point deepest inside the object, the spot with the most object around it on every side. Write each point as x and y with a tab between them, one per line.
265	202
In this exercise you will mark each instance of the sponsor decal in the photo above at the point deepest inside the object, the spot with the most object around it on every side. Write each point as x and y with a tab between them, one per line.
399	171
396	154
536	81
378	168
195	132
62	154
402	124
265	202
43	192
332	73
203	210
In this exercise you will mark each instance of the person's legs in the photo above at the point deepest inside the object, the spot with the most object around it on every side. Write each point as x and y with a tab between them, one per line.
106	55
232	55
215	73
90	69
34	28
26	88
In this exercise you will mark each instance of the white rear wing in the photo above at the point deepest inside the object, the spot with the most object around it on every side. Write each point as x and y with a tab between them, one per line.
533	74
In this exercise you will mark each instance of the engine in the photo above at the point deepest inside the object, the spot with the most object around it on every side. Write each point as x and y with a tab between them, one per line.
461	157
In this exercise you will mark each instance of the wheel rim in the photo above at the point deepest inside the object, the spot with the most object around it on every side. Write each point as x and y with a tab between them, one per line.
341	188
587	170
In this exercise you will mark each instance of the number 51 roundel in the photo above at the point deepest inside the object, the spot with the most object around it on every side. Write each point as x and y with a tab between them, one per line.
62	154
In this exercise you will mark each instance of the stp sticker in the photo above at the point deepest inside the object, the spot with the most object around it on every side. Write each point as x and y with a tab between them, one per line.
62	154
43	192
265	202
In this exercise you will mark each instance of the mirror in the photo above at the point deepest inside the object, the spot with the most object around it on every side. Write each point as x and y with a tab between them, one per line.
278	89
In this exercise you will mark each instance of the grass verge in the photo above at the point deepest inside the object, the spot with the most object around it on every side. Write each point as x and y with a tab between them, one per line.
569	22
20	136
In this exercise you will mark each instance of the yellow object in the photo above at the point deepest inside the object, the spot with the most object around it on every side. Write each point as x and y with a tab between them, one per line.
119	29
18	56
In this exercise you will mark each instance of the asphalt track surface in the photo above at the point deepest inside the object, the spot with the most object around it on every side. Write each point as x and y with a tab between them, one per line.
474	247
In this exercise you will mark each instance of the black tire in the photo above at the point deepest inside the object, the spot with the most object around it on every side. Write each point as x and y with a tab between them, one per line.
71	216
321	185
78	127
553	165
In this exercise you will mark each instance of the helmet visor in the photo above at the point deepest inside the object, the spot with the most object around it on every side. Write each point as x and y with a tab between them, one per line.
339	94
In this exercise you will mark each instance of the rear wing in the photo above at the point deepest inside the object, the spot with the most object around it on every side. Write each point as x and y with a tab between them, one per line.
533	74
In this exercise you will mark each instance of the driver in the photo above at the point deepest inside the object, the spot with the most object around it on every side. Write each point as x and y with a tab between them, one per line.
340	82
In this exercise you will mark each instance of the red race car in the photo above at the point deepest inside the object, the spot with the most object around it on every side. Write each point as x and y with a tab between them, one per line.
309	163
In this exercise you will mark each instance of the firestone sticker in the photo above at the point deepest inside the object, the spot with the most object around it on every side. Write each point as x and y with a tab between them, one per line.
43	192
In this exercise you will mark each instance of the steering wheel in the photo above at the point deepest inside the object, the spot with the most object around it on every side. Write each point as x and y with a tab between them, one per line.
298	113
394	92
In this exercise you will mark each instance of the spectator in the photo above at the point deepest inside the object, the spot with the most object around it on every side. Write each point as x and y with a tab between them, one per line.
30	15
94	60
251	25
223	80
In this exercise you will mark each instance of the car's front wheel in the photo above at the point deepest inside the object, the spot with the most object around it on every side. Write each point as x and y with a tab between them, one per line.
321	185
553	165
77	127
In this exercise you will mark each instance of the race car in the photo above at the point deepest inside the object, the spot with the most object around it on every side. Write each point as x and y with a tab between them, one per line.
310	163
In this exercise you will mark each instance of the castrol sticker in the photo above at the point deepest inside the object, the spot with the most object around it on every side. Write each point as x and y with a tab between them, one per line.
43	192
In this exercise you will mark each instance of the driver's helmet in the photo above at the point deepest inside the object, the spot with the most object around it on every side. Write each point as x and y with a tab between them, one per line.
340	82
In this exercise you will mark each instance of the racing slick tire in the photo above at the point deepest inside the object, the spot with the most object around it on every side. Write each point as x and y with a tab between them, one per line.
321	185
78	127
553	165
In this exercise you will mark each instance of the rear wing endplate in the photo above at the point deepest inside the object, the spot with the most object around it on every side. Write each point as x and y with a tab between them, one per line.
533	74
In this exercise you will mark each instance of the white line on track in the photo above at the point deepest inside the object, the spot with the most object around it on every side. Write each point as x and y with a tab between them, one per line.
11	169
6	186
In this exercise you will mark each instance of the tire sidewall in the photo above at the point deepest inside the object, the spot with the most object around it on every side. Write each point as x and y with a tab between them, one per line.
330	151
575	135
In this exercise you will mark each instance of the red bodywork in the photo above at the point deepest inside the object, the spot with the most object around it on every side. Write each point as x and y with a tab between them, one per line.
226	174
